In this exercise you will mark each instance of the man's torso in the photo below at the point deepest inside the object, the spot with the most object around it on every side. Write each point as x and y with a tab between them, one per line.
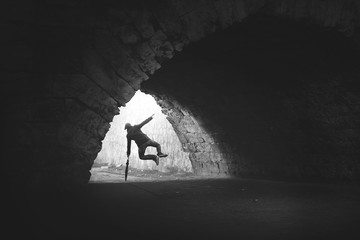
138	136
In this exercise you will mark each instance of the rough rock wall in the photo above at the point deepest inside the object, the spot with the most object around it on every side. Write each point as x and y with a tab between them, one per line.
68	65
205	155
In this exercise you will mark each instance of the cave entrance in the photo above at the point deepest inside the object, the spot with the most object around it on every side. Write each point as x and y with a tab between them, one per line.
112	157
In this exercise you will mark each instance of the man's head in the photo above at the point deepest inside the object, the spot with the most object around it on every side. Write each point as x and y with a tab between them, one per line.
127	125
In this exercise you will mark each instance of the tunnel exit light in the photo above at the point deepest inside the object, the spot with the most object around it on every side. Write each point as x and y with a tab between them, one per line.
140	107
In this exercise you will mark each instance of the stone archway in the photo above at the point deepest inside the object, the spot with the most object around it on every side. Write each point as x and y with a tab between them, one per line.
89	59
257	100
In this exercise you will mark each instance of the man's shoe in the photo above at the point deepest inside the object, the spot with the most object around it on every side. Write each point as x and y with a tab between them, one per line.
157	160
162	155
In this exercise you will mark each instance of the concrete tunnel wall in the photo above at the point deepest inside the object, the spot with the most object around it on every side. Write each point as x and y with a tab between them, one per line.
71	65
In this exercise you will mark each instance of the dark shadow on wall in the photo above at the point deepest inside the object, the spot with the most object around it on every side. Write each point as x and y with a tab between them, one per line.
282	94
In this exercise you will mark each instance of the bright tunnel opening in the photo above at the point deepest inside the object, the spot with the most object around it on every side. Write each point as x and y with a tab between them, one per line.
114	145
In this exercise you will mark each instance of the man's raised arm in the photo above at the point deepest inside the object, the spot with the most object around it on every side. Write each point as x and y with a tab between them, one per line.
145	121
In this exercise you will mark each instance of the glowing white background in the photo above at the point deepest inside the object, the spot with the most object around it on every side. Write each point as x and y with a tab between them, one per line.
140	107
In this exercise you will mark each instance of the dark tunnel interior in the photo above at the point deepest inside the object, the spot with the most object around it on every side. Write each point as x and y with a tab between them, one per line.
273	90
264	96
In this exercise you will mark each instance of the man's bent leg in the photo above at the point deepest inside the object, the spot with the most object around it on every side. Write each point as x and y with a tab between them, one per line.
152	143
142	155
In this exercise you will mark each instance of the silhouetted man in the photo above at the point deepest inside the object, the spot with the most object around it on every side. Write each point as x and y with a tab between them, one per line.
142	141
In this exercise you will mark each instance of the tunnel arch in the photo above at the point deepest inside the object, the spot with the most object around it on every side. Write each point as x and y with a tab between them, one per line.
100	55
257	148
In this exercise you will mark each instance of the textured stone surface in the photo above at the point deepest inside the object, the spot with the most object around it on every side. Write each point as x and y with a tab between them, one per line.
88	93
99	71
161	46
118	57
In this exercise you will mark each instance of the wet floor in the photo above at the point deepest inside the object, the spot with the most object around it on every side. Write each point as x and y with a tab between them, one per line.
196	208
